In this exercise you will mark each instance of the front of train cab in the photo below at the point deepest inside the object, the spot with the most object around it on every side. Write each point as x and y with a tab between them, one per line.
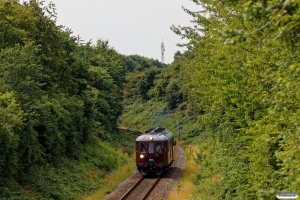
150	156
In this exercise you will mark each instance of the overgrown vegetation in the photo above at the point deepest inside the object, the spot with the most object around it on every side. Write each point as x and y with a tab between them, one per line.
245	93
59	105
235	89
238	88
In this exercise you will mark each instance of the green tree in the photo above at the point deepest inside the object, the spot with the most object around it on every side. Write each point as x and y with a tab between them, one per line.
277	31
65	90
173	96
11	125
225	85
21	72
147	82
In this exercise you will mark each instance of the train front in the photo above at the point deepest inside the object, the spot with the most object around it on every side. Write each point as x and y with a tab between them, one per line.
151	150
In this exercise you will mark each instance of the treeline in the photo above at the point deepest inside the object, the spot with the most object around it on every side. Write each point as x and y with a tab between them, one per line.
136	62
154	81
56	94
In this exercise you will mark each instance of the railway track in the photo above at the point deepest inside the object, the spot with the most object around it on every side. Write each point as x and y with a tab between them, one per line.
141	189
138	133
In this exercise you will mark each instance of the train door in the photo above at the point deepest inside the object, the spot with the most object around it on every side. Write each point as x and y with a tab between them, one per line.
141	150
171	151
172	147
166	152
137	153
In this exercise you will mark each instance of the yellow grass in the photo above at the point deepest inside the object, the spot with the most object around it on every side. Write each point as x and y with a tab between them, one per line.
112	181
183	190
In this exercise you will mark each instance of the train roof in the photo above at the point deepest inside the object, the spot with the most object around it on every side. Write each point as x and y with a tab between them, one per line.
157	134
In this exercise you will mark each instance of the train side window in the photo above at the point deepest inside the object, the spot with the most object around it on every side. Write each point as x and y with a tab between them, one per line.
151	147
158	147
143	147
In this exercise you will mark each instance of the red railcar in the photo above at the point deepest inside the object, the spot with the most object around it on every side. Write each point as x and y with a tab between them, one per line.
154	151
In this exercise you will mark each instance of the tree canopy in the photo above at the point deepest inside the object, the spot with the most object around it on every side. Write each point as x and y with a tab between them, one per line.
55	94
242	83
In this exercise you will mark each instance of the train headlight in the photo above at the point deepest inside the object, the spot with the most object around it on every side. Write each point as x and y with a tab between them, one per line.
142	156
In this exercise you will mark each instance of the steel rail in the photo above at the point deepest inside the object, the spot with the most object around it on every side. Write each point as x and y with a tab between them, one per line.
131	189
138	133
136	184
150	190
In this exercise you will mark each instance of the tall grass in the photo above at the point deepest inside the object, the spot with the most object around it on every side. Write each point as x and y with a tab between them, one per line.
184	188
112	181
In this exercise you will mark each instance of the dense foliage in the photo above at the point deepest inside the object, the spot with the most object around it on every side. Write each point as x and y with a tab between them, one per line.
136	62
57	97
245	94
154	81
236	88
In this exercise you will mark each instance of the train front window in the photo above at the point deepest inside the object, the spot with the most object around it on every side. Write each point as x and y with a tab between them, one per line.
158	147
151	147
143	147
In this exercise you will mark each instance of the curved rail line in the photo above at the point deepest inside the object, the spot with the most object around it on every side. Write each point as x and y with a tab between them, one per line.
138	133
153	186
130	191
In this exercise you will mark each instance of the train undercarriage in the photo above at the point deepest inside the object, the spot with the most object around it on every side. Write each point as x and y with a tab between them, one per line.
152	167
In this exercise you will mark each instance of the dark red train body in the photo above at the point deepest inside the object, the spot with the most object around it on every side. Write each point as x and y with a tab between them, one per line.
154	151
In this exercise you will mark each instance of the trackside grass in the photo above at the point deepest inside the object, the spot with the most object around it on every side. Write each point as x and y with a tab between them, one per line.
184	188
112	181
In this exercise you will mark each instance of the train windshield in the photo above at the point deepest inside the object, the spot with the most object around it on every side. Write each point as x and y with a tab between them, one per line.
151	147
158	147
143	147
